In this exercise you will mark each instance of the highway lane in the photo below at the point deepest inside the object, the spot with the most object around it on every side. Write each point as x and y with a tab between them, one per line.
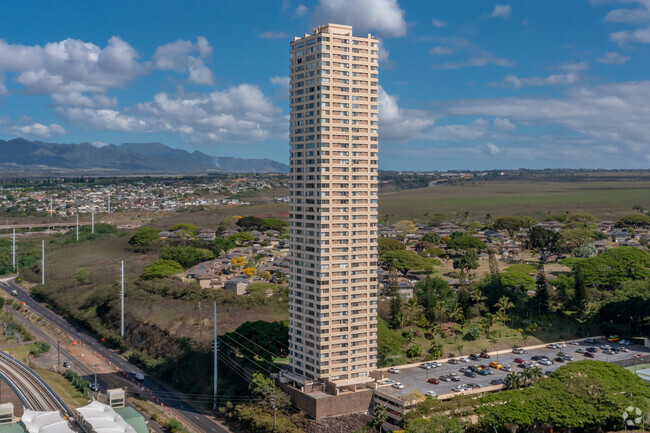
193	416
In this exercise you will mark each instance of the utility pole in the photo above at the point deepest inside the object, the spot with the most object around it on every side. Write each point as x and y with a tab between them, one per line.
77	227
92	219
13	251
109	201
43	263
58	354
95	365
214	406
122	296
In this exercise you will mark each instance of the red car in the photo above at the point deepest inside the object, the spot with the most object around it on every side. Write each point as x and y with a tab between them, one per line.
589	355
519	361
485	367
433	380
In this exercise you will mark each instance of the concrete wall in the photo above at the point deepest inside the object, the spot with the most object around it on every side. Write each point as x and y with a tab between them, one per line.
323	405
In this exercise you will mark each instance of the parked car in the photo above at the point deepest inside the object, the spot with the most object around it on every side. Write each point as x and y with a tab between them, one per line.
575	343
454	377
519	351
398	385
93	387
592	350
445	378
433	380
485	355
66	364
496	365
139	377
568	358
591	340
459	388
581	350
559	359
624	343
590	355
519	361
431	394
497	382
426	366
552	346
485	372
474	368
561	345
623	349
474	357
475	385
464	359
453	361
545	361
538	357
393	370
522	365
464	369
507	368
470	374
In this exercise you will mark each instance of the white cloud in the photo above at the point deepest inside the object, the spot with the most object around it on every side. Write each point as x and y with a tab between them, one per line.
439	24
501	11
274	35
283	86
573	66
301	10
613	58
385	17
604	117
178	56
632	16
639	35
511	80
238	114
70	65
81	100
37	130
503	124
492	148
477	56
441	50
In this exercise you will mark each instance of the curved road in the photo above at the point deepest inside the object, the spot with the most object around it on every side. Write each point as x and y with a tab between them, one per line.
193	416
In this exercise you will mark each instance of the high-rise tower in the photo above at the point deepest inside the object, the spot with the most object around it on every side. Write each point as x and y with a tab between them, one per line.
333	205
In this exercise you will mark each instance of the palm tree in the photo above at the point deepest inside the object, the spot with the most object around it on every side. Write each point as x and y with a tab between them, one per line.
527	376
503	305
477	297
412	309
513	381
441	309
536	374
459	347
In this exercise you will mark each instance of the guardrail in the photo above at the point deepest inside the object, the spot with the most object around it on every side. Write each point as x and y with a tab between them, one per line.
28	371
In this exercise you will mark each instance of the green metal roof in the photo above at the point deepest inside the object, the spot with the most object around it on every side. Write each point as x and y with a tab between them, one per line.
15	427
131	416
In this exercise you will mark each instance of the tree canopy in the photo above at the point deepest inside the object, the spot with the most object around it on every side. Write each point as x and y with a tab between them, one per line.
613	266
388	244
466	242
144	237
186	256
634	220
405	261
161	269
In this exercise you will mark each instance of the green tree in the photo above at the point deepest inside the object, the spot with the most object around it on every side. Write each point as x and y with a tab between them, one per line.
276	224
249	223
144	237
432	237
395	298
544	241
585	250
541	292
405	261
186	256
83	276
388	244
580	288
241	238
466	260
510	223
405	228
435	424
161	269
634	220
466	242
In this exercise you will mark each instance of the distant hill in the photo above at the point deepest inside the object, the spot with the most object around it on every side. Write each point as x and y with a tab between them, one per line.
23	155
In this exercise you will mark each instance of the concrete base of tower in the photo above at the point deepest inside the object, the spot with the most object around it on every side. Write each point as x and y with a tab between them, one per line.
327	399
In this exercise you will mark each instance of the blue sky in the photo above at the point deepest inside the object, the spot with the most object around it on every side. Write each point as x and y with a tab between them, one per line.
471	84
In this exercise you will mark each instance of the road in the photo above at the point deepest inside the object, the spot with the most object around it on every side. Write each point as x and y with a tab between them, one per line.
193	417
42	225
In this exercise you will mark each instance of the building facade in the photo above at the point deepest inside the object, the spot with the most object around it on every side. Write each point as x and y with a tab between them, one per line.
333	284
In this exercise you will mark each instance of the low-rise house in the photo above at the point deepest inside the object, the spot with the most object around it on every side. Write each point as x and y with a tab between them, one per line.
237	286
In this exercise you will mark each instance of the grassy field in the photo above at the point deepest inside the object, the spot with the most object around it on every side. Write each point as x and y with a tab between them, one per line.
607	200
71	395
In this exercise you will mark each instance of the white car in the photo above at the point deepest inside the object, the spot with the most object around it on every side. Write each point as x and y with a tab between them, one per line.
393	370
561	345
545	361
435	364
624	343
426	366
464	359
398	385
460	388
139	376
431	393
552	346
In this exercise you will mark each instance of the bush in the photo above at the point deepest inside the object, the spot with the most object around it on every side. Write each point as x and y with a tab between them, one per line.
39	347
144	237
414	351
161	269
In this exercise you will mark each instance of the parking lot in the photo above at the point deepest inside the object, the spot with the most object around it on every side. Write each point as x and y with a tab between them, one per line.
415	378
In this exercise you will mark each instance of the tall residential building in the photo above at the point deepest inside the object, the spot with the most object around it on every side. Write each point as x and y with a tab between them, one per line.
333	206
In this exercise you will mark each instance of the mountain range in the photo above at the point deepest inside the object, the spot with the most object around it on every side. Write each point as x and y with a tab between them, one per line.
23	155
